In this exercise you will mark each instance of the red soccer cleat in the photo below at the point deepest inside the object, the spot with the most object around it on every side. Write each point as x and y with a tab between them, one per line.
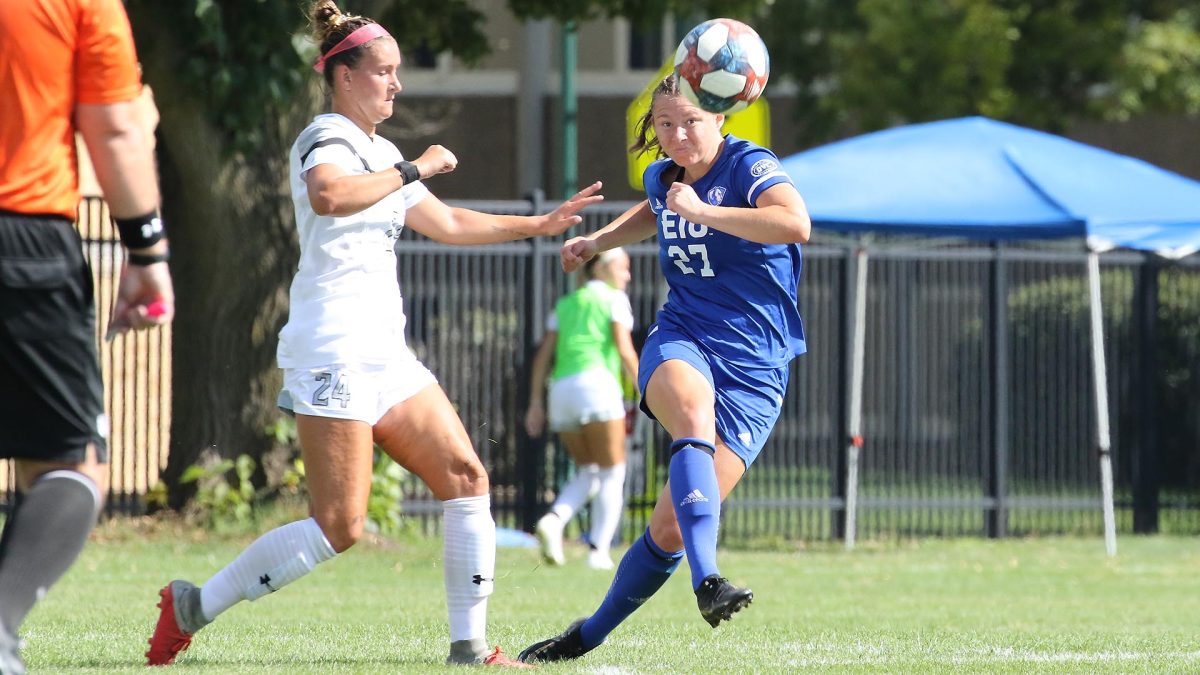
499	658
168	639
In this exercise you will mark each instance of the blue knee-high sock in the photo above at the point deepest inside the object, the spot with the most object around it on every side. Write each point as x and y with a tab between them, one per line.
697	499
643	570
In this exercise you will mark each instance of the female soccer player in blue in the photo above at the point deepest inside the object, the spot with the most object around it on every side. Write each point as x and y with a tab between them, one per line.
714	368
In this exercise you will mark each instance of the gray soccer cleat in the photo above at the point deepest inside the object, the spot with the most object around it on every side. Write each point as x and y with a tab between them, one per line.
475	653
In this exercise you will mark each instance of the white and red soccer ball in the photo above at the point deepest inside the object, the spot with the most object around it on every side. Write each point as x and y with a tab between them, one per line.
722	66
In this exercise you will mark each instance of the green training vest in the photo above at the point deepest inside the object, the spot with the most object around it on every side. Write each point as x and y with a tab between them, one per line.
585	337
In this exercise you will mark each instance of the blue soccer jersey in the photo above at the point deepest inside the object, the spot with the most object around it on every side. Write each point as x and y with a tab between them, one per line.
734	298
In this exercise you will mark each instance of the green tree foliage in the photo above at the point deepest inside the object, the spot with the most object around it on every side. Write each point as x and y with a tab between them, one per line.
1159	68
867	64
960	62
636	10
240	66
245	62
452	26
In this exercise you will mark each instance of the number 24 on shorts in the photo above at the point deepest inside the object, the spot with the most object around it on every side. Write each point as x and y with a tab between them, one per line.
333	386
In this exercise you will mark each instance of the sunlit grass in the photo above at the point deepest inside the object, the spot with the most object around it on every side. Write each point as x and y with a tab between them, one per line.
1040	605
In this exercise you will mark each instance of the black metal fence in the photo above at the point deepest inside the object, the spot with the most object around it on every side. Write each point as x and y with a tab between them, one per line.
978	412
978	416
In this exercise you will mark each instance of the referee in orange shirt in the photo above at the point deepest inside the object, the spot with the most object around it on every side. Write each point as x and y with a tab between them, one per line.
65	66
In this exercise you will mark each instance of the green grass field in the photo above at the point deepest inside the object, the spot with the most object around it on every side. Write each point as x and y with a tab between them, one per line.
1042	605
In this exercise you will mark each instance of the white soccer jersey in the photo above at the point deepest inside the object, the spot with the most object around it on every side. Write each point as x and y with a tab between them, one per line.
346	306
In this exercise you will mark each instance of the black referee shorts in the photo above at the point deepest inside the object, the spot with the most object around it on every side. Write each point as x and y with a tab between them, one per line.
51	397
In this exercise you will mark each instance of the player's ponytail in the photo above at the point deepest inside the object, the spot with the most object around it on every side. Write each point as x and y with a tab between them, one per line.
646	140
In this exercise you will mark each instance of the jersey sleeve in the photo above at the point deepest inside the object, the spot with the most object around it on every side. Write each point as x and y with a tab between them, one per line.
651	178
413	194
322	145
756	171
622	311
106	69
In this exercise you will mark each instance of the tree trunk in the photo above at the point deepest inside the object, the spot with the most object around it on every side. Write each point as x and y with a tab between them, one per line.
233	253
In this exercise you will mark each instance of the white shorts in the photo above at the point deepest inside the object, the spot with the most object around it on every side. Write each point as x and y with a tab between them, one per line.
591	396
363	393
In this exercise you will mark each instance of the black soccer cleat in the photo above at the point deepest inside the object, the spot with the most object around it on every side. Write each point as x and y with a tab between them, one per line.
564	647
719	600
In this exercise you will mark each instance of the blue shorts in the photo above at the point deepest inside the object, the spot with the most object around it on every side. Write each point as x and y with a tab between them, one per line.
748	400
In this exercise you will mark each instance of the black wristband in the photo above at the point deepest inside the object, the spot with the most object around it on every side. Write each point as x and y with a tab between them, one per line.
140	232
143	259
408	171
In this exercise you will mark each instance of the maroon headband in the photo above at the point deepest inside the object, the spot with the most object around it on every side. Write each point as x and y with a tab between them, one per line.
357	38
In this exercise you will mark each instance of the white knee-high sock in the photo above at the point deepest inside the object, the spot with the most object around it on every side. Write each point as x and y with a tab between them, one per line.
608	505
274	560
469	564
576	492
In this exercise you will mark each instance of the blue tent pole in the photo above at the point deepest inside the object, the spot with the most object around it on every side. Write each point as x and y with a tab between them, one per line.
1100	379
854	440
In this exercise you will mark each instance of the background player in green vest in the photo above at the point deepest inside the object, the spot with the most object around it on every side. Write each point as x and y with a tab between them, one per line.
588	340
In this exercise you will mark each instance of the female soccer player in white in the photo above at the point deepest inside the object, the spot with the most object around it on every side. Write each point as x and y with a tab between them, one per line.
715	365
588	341
348	375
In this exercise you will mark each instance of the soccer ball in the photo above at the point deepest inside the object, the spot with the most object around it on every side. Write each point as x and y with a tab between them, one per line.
722	66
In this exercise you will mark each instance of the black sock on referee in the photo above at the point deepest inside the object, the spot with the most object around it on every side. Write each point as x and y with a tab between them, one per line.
42	538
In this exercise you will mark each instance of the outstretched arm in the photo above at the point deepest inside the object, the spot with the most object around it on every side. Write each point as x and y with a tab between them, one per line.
636	224
451	225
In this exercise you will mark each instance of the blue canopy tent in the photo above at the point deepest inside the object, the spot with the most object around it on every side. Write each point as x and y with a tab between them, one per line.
982	179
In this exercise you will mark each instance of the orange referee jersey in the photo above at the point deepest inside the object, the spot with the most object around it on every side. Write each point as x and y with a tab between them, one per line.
55	54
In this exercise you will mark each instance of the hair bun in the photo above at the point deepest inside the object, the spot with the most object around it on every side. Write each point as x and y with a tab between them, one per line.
326	12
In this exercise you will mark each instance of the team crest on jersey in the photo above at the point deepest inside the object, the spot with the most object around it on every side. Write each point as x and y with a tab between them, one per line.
716	195
763	166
